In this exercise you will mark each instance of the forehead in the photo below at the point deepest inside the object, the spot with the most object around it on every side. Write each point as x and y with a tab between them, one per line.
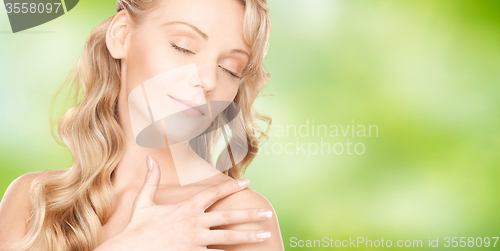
221	20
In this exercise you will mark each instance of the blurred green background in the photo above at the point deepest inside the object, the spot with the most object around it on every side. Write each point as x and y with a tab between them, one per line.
426	73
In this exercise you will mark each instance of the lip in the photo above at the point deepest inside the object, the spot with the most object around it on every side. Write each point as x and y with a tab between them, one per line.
188	107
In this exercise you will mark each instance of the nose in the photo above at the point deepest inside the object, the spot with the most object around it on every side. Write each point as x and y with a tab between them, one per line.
208	76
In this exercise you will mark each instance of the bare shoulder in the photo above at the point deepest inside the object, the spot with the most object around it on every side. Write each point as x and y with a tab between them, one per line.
15	206
17	196
247	198
251	199
18	191
19	188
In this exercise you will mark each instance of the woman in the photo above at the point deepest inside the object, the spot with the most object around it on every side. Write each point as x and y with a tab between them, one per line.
102	202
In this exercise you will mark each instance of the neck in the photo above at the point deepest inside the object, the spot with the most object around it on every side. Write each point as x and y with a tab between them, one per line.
132	169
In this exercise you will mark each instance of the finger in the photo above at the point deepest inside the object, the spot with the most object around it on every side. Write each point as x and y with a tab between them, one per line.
237	216
209	196
211	249
232	237
147	193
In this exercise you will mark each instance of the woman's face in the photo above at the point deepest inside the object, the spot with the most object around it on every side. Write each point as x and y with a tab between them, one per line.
187	52
208	33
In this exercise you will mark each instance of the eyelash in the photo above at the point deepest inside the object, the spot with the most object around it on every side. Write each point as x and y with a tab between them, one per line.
190	52
182	49
230	72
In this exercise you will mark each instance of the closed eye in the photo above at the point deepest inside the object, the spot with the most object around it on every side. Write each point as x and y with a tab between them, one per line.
182	49
230	72
190	52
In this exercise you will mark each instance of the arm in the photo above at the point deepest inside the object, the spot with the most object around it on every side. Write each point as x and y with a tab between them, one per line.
245	199
15	208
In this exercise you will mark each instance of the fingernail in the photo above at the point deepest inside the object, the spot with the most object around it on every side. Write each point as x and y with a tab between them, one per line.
149	161
263	235
243	183
265	214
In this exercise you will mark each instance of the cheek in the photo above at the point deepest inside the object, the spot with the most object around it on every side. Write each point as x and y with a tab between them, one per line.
146	58
225	92
232	92
139	64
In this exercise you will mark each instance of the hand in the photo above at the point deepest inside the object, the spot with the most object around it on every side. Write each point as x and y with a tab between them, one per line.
185	225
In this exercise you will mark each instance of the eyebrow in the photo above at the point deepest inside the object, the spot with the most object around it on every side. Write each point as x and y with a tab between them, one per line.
202	34
205	36
239	51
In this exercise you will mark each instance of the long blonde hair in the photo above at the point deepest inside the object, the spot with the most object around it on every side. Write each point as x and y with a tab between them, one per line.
69	209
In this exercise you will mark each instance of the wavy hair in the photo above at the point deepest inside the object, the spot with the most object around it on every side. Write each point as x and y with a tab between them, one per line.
69	208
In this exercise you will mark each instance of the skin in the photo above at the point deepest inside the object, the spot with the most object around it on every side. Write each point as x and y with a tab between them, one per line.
145	50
